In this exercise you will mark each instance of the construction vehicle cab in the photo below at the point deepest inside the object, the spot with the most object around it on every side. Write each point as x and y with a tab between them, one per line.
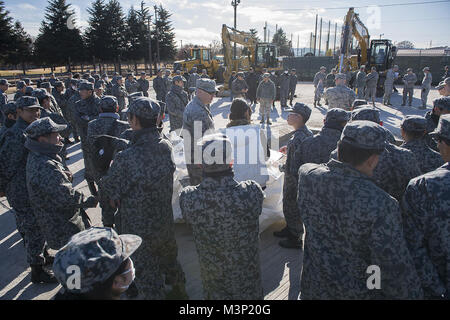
201	58
266	56
381	54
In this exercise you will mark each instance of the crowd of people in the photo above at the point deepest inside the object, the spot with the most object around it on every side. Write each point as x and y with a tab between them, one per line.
357	199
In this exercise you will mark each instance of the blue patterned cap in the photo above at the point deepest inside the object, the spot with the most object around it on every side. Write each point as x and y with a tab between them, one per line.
42	127
144	107
46	85
4	82
366	113
443	128
207	85
40	94
27	102
9	108
337	115
365	135
109	104
442	103
301	109
358	103
217	152
96	253
20	85
414	123
86	86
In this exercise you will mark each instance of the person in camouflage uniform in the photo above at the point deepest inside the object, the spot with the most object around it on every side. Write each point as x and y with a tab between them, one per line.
57	206
284	89
159	85
10	112
197	113
391	76
224	216
426	207
265	95
361	82
413	133
131	85
20	86
72	96
317	149
239	87
108	123
192	82
331	78
140	184
119	91
293	79
176	101
440	106
103	259
86	110
354	227
319	76
371	84
409	80
298	117
426	86
168	82
13	159
340	96
4	85
143	84
53	104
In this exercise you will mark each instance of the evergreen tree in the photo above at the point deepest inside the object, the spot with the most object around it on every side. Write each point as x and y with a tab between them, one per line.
254	33
135	48
6	33
22	47
95	35
166	36
57	43
115	31
280	39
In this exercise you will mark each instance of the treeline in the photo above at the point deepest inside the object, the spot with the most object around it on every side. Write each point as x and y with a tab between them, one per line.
112	37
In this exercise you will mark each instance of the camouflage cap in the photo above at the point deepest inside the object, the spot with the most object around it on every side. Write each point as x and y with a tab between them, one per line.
143	73
359	102
179	78
27	80
105	75
136	95
341	76
442	103
99	84
46	85
293	70
109	104
443	128
323	68
217	152
426	69
365	135
144	107
91	80
9	108
74	82
207	85
440	86
58	84
86	86
301	109
40	94
20	85
27	102
366	113
96	77
29	91
43	126
117	78
97	252
194	69
337	115
266	75
240	74
414	123
4	82
409	69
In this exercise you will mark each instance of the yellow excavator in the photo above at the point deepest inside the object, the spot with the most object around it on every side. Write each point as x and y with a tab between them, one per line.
258	55
376	53
201	58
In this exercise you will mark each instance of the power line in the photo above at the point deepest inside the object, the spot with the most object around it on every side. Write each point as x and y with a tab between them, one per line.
368	6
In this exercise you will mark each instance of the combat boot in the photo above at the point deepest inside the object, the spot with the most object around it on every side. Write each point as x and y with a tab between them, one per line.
284	233
291	243
315	103
262	120
41	275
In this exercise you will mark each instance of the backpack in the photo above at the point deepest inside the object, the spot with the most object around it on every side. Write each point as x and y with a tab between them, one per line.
103	150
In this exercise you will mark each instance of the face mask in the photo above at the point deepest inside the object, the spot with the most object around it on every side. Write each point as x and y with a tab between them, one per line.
133	275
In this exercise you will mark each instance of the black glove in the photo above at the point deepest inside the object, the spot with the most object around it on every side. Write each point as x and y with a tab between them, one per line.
90	202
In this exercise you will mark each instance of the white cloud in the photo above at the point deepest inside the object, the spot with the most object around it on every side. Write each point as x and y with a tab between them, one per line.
26	6
199	36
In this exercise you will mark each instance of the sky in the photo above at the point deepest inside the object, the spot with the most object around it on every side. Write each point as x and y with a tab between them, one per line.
199	22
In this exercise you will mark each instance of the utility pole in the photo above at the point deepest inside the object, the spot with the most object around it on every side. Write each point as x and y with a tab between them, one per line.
235	3
181	46
315	37
310	42
335	33
292	46
150	45
157	35
298	43
268	37
328	38
320	36
265	32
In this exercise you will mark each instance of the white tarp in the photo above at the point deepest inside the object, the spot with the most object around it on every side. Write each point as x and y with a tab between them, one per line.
249	143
